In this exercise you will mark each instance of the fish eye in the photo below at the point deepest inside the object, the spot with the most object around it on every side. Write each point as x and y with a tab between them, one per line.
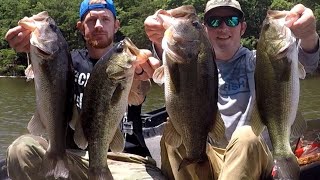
43	52
196	24
267	26
52	24
190	55
119	48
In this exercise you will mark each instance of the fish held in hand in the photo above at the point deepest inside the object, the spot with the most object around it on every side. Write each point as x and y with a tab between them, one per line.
53	79
190	79
104	103
277	90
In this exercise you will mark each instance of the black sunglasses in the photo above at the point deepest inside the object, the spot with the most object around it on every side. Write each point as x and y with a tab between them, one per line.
215	21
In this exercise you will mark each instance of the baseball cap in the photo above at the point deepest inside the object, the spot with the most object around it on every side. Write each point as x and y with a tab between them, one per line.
212	4
86	7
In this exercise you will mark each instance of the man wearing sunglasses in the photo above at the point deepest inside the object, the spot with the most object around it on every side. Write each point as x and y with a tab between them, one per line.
246	156
98	24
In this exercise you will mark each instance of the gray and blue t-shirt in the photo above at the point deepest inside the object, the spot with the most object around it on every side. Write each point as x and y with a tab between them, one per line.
237	87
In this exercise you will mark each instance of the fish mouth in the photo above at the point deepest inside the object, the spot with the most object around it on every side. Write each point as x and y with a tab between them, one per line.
174	52
44	52
275	32
133	49
45	47
187	161
29	22
274	14
174	43
280	35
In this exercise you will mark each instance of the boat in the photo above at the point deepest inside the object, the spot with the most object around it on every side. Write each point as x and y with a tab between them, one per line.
153	126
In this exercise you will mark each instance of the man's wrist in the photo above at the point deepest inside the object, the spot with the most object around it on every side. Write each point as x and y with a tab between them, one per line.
310	44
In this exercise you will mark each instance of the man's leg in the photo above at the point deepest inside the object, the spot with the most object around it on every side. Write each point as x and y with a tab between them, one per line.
24	159
246	157
172	157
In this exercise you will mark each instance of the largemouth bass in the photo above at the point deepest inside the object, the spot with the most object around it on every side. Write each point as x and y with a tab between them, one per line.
190	78
277	89
53	78
104	103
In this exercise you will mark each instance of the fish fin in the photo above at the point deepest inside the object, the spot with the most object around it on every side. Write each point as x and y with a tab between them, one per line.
256	121
174	72
117	94
145	86
100	173
54	166
29	73
75	118
118	142
302	71
218	129
286	167
35	125
184	163
134	98
201	165
158	75
171	136
79	137
138	92
299	126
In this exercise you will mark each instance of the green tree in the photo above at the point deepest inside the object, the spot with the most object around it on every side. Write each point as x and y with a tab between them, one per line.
131	15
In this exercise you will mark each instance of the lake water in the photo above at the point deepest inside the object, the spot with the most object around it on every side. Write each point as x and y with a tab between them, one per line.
17	104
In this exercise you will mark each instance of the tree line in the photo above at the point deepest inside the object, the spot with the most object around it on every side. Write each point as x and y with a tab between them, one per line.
131	14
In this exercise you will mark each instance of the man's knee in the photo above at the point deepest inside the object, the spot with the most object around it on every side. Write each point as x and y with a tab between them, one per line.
245	138
25	148
24	157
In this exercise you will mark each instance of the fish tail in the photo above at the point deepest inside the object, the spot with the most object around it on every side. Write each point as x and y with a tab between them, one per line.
55	166
205	170
185	162
100	174
199	162
286	168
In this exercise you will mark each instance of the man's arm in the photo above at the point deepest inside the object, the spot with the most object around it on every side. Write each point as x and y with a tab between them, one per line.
310	44
138	92
145	66
154	29
310	58
302	23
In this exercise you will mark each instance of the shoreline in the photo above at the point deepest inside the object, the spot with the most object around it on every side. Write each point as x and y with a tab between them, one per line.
12	76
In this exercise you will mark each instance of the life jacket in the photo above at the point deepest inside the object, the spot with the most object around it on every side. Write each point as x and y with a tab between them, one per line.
83	66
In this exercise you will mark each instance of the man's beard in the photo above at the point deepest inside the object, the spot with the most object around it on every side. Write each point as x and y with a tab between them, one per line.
99	44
